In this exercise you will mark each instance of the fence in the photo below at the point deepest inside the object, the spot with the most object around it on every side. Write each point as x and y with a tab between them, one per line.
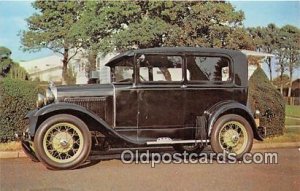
292	100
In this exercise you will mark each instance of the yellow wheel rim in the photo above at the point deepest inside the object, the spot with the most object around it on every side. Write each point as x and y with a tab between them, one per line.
63	142
233	137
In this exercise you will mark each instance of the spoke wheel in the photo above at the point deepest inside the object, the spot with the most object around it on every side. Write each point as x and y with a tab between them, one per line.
232	134
62	142
233	137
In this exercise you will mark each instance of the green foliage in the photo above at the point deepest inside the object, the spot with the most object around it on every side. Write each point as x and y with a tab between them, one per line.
8	68
4	52
118	25
17	97
291	47
284	42
17	72
50	27
263	96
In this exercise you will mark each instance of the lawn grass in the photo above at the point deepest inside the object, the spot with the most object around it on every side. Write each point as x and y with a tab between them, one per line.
292	111
10	146
290	121
291	134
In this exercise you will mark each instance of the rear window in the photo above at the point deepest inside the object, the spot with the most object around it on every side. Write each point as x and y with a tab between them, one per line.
204	68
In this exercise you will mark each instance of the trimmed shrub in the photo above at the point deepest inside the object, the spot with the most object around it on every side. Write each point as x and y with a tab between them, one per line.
17	97
264	97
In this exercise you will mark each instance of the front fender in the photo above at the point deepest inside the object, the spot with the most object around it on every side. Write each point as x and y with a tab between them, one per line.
234	108
35	114
57	107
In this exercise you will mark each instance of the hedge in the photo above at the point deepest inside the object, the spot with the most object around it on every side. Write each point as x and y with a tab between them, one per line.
17	97
265	97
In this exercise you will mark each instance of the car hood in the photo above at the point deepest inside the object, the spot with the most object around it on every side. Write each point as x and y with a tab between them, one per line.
90	90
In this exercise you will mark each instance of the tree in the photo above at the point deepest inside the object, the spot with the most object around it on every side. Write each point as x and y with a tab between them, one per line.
50	28
119	25
204	24
4	53
291	48
281	82
9	68
266	40
281	61
99	20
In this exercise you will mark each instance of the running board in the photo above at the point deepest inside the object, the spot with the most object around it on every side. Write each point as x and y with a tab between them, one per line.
171	142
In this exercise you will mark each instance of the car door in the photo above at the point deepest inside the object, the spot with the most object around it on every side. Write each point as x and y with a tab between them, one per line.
160	97
208	81
125	99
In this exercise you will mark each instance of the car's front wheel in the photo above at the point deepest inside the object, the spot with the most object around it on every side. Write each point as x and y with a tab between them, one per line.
232	134
62	142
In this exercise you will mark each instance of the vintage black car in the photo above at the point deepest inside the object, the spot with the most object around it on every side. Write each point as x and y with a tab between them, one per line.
182	97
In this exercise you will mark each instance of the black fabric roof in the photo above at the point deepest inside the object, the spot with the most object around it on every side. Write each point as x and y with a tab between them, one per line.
173	50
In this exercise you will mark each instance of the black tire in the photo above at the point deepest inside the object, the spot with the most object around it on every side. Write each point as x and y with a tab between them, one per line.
216	140
47	145
197	148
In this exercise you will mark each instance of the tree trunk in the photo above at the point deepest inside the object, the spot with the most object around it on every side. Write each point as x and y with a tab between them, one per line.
65	67
290	84
92	58
270	69
281	77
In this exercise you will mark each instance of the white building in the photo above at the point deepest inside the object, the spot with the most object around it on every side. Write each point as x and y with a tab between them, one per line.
49	68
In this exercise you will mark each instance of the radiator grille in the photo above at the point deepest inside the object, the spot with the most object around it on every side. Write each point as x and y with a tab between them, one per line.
96	105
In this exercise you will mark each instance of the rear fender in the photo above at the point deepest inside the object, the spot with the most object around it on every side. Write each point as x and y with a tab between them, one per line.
230	107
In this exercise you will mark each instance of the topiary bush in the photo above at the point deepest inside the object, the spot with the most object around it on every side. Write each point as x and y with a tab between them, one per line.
17	97
268	100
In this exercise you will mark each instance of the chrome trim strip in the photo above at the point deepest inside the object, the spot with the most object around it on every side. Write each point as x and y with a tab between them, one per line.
176	142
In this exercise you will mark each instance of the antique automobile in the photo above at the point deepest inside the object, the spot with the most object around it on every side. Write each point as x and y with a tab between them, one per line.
182	97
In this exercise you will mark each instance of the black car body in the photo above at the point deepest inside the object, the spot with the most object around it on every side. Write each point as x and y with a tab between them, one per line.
158	96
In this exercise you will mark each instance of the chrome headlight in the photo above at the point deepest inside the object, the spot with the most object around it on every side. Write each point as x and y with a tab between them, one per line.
49	96
40	101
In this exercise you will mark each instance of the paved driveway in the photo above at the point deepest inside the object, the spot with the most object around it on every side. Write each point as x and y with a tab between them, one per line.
22	174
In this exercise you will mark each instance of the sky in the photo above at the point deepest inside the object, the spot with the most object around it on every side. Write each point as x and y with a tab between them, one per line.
257	13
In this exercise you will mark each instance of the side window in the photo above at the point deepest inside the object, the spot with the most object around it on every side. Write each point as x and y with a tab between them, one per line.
161	68
204	68
123	71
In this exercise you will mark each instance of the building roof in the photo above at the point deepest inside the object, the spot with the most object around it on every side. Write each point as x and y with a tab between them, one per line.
255	53
42	64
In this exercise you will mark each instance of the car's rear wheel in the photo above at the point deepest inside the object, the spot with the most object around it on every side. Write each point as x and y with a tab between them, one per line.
232	134
63	142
